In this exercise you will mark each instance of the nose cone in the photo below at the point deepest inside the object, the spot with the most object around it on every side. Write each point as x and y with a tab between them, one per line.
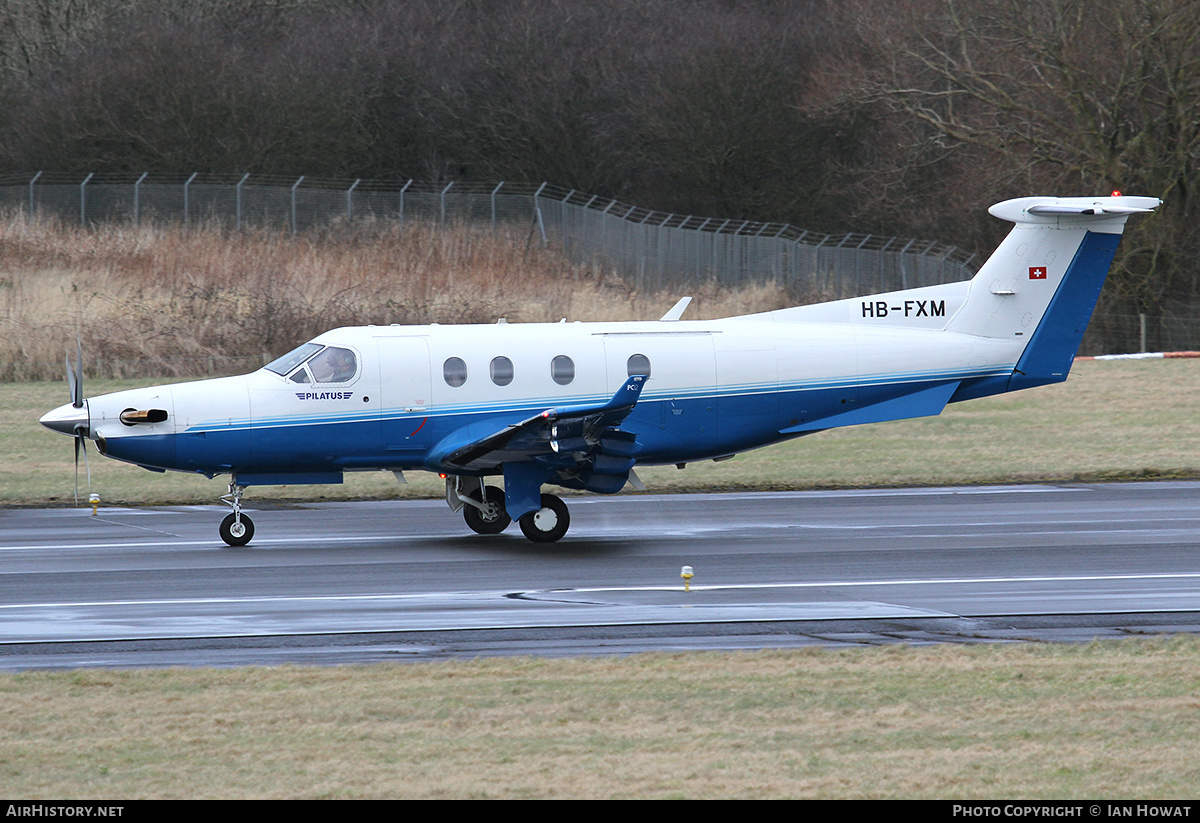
69	420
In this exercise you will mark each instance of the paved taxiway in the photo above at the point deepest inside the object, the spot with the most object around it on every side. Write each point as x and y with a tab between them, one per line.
346	581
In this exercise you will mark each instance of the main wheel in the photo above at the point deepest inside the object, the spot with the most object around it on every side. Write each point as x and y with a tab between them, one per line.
547	524
493	519
237	533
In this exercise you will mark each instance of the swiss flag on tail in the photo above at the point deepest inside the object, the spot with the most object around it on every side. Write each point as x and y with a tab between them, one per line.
1037	272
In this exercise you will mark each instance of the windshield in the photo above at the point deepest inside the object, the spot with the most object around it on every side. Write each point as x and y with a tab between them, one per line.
294	358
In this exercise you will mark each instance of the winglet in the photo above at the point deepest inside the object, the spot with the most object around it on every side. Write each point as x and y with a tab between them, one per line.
625	399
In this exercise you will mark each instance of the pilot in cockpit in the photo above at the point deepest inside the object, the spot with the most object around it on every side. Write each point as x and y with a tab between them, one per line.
334	365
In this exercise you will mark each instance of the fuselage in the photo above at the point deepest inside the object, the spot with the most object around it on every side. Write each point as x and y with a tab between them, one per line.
715	388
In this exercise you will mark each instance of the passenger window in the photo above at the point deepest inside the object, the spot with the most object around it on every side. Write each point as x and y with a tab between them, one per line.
454	370
638	364
502	371
334	365
562	370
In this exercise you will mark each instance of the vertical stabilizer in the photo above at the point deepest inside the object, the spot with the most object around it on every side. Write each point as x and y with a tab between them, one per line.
1042	283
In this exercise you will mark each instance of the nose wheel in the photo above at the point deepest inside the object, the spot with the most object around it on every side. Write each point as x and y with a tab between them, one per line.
236	529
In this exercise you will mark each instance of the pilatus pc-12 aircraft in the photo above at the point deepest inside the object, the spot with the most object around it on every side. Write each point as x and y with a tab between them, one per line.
579	405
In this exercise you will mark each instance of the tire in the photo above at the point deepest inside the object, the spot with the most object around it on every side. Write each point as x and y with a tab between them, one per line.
549	523
237	534
492	522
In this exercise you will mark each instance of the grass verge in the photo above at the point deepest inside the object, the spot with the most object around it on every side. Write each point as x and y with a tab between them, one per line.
1112	720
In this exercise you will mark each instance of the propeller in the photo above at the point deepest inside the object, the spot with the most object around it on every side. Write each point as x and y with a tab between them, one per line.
80	430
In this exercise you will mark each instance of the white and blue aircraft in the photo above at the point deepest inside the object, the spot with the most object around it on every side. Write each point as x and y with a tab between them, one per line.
579	405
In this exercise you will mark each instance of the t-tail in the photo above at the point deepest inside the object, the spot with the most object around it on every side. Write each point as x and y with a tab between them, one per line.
1018	323
1041	285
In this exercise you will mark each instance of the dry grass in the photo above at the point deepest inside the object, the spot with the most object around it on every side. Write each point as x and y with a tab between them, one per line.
1103	720
168	301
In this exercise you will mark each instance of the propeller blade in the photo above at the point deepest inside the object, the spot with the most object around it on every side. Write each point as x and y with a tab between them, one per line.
86	465
78	443
75	384
71	381
75	376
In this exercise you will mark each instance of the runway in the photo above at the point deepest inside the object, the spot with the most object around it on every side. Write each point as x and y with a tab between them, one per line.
342	582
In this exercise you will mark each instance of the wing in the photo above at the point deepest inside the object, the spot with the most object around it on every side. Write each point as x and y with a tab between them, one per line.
584	436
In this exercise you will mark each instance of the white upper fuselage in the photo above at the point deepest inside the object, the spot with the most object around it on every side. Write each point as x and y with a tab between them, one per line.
715	387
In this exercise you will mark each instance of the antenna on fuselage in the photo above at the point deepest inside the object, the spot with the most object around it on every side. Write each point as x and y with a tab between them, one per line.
676	311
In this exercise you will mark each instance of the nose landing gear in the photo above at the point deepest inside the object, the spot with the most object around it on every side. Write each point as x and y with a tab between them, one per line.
236	529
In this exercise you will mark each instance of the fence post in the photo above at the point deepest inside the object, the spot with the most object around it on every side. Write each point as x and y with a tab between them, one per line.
187	198
137	199
350	200
31	200
406	185
442	205
900	258
295	186
604	225
83	199
239	200
818	280
537	214
494	204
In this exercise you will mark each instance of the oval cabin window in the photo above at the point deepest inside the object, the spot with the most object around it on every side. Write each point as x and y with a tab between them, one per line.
562	370
502	371
454	370
638	364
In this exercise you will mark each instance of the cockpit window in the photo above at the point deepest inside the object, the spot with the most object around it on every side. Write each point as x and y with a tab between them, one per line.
334	365
293	358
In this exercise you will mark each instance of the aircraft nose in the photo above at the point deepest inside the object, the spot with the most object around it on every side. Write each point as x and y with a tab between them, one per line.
69	420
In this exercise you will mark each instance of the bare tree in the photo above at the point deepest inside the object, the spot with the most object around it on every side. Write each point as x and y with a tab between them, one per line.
1061	95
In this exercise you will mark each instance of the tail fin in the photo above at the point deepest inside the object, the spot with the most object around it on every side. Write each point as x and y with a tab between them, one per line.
1043	282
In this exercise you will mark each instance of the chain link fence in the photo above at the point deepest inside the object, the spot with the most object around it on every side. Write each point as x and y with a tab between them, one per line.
651	250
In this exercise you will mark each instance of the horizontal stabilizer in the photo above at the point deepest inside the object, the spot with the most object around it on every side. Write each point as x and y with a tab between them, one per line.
1106	214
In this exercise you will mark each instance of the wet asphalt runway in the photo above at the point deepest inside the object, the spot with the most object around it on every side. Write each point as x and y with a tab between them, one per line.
340	582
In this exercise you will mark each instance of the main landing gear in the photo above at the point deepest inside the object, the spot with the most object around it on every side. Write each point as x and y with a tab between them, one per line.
236	529
547	524
485	513
483	510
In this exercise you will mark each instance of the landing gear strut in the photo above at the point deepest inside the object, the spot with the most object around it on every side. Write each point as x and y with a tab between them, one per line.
237	528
